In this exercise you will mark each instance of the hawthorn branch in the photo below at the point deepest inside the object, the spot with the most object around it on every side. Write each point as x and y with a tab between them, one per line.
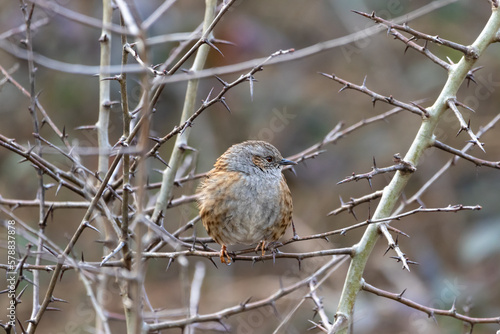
468	157
341	231
466	50
181	141
393	244
393	28
319	309
413	108
353	202
40	163
410	43
204	39
39	106
16	203
463	126
431	312
236	256
400	165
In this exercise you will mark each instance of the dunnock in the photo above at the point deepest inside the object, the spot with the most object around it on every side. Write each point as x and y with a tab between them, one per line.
245	198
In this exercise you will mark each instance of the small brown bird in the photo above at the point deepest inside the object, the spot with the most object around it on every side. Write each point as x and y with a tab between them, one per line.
245	198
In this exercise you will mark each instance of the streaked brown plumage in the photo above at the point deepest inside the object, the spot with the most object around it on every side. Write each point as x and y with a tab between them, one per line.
245	198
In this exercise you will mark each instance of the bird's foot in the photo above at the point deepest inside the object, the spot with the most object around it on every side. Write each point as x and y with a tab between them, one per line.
261	246
224	256
272	246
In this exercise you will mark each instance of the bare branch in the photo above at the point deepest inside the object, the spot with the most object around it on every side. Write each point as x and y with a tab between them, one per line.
377	97
467	51
15	203
235	256
463	125
400	256
461	154
325	322
337	133
401	165
431	312
410	43
353	202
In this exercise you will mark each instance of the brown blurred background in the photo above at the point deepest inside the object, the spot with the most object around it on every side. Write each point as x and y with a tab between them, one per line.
458	253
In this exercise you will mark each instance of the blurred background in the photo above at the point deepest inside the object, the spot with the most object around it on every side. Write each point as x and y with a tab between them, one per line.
293	107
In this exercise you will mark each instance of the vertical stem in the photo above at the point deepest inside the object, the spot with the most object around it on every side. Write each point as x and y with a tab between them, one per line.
392	192
126	156
133	307
103	138
125	285
104	88
133	289
41	189
194	294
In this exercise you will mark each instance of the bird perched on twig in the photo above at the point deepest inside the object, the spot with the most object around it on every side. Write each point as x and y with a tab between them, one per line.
244	198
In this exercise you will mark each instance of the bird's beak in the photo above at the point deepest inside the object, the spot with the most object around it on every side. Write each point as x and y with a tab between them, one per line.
285	162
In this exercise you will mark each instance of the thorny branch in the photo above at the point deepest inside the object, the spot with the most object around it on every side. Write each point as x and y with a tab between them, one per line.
353	202
463	155
275	254
430	311
392	29
417	34
400	165
411	107
452	103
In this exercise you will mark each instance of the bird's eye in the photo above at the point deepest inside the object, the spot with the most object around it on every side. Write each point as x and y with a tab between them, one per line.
269	158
